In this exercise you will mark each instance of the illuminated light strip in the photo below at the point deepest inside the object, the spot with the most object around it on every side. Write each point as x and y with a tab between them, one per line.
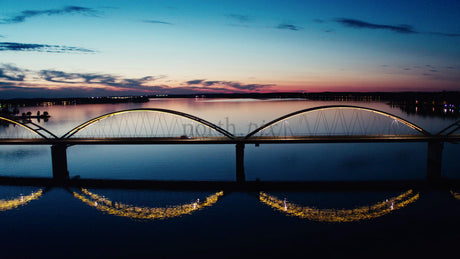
340	215
355	108
26	127
170	112
285	117
134	212
455	194
22	200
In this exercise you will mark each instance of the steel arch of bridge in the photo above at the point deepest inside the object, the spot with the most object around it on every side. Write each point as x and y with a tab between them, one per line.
290	115
452	128
177	113
36	130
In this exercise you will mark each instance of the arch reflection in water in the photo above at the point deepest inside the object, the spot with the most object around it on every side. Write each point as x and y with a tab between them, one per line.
455	194
19	201
137	212
340	215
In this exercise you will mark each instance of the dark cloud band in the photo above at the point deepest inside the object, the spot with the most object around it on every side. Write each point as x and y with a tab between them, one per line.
157	22
366	25
446	34
241	18
14	46
11	73
229	85
285	26
99	79
33	13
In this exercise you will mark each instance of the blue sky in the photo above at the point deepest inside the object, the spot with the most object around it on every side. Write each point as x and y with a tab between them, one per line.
86	48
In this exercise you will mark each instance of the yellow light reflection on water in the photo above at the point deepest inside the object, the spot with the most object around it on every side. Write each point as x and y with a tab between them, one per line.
455	194
20	201
135	212
340	215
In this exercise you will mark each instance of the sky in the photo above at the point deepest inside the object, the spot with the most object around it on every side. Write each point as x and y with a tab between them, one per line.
111	48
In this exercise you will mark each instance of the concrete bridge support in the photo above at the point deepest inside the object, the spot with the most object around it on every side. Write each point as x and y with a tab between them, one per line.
434	160
59	161
240	177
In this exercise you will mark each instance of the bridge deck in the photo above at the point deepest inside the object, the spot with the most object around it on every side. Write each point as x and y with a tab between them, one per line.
225	140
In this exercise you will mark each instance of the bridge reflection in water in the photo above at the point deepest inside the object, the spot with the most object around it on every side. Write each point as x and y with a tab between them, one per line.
455	194
122	209
117	208
340	215
104	204
22	200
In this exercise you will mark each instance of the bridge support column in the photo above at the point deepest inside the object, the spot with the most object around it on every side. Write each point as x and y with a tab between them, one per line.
59	161
240	177
434	159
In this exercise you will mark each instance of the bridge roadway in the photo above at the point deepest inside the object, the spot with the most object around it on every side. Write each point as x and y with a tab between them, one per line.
236	140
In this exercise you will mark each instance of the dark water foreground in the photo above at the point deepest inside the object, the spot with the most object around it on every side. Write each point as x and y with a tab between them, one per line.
366	220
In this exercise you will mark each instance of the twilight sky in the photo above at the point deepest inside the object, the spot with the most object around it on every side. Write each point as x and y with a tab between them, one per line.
106	48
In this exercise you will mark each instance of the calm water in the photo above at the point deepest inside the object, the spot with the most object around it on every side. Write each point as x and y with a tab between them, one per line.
92	223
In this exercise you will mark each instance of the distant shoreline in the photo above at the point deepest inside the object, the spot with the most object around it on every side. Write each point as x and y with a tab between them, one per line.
439	104
395	98
452	96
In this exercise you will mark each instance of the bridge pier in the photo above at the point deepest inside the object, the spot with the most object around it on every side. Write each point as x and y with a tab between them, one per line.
240	177
434	161
59	161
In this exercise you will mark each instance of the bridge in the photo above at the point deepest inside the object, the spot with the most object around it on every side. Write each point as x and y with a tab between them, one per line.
324	124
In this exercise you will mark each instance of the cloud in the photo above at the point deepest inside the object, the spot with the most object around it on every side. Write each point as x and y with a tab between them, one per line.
8	91
228	85
22	83
14	46
65	10
210	83
241	18
285	26
97	79
157	22
445	34
11	73
12	77
407	29
18	90
194	82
